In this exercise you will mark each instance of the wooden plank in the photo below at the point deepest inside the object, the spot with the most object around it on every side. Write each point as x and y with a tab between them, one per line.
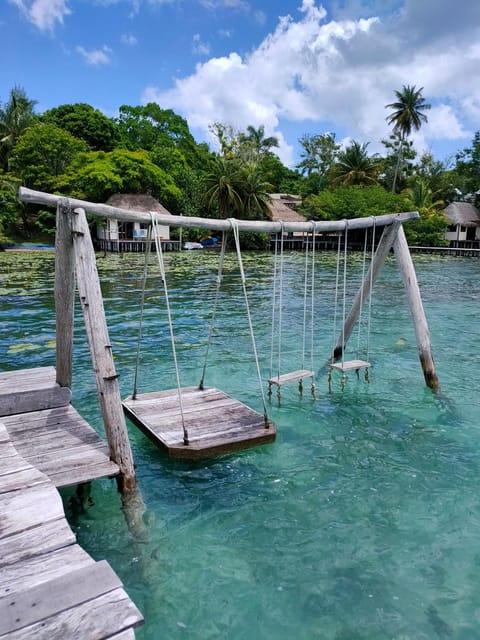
129	634
21	510
44	600
41	568
350	365
291	377
21	479
44	537
25	379
73	476
95	619
15	402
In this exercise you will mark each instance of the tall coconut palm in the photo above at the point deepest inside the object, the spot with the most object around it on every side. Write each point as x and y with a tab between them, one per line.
256	140
16	116
355	167
407	116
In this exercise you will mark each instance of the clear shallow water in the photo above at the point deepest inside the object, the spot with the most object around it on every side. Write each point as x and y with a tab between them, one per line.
360	522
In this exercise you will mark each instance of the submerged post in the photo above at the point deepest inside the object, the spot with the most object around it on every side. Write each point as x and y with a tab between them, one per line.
404	259
64	295
106	377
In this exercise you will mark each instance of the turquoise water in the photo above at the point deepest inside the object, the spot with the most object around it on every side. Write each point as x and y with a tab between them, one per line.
361	522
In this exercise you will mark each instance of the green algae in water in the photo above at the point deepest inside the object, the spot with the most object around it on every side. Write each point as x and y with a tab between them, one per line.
360	522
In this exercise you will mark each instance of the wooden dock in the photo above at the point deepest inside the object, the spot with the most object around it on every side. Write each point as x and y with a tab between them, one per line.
216	423
50	588
48	432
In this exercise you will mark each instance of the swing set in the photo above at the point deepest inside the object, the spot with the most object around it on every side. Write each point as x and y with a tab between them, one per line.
199	421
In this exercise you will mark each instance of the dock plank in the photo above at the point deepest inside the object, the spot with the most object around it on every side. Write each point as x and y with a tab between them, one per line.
38	539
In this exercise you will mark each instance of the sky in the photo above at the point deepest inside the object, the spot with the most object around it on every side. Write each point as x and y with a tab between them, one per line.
297	67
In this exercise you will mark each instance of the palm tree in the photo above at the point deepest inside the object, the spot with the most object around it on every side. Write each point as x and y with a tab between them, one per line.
255	193
407	116
355	167
255	139
15	117
222	186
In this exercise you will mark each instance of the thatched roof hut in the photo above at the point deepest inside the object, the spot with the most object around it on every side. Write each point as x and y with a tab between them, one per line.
282	208
463	214
137	202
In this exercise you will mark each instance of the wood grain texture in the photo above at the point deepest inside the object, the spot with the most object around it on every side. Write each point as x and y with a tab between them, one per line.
216	422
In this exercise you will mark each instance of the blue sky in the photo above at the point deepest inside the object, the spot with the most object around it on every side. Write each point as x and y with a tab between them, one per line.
296	67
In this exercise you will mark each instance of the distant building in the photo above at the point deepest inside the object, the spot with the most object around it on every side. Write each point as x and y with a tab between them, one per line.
464	225
118	236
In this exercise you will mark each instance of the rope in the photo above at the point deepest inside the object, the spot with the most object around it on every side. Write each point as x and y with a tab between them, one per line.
274	301
280	305
360	315
335	303
236	234
371	287
312	310
344	305
142	308
305	288
214	311
158	247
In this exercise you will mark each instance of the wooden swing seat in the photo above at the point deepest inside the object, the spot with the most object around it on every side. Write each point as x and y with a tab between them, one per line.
291	377
216	423
350	365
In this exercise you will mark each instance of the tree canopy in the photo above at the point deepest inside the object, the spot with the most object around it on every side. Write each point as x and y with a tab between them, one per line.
86	123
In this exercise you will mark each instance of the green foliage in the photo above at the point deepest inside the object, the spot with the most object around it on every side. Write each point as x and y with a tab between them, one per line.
428	230
398	165
277	175
86	123
319	154
355	167
42	154
353	202
9	205
468	166
97	175
16	115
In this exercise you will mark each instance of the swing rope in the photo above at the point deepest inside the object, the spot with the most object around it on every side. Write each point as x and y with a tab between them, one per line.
344	305
305	289
236	234
142	309
214	311
312	310
274	302
161	265
280	305
370	293
360	315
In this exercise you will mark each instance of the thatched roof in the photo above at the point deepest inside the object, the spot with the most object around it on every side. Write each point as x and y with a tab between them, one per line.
282	208
137	202
463	213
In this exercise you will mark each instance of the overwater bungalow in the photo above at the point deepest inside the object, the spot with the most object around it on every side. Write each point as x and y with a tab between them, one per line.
464	225
126	237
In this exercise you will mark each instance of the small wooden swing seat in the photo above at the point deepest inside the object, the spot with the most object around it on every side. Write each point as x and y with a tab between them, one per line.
216	423
291	377
350	365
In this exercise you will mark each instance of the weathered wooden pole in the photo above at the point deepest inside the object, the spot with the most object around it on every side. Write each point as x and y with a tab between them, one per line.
91	300
404	259
386	241
64	295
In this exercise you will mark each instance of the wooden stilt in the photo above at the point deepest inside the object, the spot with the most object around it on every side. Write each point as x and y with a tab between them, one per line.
106	377
422	334
64	296
384	246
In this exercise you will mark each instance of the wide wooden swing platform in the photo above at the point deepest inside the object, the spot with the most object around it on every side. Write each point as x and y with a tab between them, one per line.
216	423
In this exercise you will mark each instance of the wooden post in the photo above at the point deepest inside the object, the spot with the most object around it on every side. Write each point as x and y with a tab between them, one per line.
106	377
404	259
64	295
384	246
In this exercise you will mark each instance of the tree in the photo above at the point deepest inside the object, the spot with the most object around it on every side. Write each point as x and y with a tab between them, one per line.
254	193
222	187
353	202
397	147
16	116
42	154
319	154
86	123
255	141
408	115
355	167
97	175
468	168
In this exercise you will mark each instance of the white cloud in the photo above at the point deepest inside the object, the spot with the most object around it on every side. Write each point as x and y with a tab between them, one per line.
340	74
200	48
44	14
95	57
128	39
